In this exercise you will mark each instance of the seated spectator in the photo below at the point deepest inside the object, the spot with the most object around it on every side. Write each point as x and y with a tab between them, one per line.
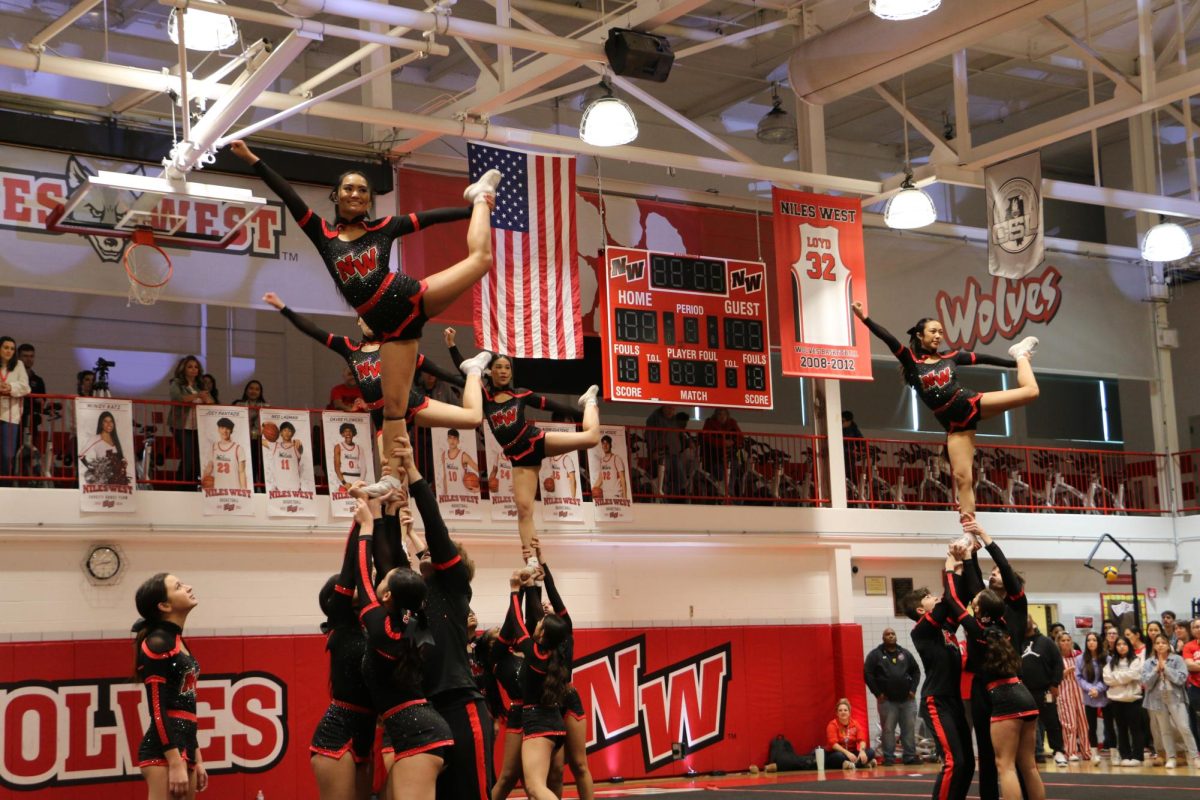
846	741
252	398
186	388
854	449
14	384
346	396
209	384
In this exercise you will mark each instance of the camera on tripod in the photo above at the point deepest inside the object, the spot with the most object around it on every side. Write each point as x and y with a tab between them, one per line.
100	387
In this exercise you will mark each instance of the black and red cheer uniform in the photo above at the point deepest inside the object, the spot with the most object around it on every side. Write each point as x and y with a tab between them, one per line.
169	673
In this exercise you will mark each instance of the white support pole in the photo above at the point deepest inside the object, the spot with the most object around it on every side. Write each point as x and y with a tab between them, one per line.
504	51
941	150
1146	64
222	114
962	110
377	90
841	586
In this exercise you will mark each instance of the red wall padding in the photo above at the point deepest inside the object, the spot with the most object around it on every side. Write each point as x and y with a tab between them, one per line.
69	718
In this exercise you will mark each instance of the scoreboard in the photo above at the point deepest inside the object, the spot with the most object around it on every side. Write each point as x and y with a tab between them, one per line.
685	330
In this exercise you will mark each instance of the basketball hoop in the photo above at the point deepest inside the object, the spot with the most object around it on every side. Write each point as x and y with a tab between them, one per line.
148	267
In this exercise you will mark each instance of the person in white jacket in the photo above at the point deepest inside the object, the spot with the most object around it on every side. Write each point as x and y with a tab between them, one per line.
1164	675
1123	676
14	384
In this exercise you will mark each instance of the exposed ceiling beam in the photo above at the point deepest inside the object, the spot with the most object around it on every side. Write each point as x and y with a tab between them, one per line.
39	41
137	78
939	146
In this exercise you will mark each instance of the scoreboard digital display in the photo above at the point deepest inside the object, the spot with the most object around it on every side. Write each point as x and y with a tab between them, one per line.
685	330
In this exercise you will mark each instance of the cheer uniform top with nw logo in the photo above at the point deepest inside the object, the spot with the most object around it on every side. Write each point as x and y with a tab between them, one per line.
936	383
286	466
389	302
170	674
521	440
225	459
367	369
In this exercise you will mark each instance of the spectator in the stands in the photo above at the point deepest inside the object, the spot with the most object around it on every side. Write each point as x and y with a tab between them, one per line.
1053	634
253	399
656	443
33	407
1168	622
854	449
85	383
209	384
680	458
721	438
1134	635
1181	638
893	675
846	744
187	392
1191	658
346	396
14	385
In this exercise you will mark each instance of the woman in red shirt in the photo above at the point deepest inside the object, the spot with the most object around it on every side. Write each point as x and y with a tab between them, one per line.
846	741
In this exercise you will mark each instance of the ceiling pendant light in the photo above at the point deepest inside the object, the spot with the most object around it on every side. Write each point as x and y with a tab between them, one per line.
776	126
903	9
608	121
1166	241
910	207
204	30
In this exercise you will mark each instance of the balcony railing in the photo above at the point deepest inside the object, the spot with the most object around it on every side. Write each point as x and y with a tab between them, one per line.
673	465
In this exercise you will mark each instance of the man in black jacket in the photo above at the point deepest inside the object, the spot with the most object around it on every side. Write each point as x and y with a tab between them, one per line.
892	675
1042	672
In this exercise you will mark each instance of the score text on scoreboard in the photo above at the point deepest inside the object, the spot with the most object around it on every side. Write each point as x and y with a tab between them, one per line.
685	330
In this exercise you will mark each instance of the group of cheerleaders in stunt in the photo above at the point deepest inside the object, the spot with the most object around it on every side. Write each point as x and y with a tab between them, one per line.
397	614
400	650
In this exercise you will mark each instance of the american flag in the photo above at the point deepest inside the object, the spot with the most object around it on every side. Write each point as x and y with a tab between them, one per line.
527	306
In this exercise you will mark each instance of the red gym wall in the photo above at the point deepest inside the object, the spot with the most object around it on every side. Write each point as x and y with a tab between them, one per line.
70	718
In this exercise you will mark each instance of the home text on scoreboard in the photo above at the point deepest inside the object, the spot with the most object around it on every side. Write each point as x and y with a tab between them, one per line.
682	329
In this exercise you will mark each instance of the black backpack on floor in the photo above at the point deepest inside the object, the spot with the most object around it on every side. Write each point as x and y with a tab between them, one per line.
783	755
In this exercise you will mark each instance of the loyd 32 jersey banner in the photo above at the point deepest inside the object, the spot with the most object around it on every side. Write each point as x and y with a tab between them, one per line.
820	272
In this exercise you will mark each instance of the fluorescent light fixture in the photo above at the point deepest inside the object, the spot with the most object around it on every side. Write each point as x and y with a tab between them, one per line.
203	30
903	9
909	208
608	121
1166	241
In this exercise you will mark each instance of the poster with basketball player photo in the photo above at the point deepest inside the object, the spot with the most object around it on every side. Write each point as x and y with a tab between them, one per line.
348	457
225	472
561	488
106	455
500	480
820	271
287	463
456	474
608	466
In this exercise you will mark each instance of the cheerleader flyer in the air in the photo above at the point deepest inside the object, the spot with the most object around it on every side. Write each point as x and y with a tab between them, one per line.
287	463
225	471
106	455
608	466
562	492
456	473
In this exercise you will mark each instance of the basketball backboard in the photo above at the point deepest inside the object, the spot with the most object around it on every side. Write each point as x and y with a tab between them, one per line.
179	213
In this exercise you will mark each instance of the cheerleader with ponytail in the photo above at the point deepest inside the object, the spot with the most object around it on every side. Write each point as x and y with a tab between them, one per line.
1013	710
545	680
168	756
393	614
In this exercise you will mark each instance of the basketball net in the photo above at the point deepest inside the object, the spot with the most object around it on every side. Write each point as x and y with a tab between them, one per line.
148	267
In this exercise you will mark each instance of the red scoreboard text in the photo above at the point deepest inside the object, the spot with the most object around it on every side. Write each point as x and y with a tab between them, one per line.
685	330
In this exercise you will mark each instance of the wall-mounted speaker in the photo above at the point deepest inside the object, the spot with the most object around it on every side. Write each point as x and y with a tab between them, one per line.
633	54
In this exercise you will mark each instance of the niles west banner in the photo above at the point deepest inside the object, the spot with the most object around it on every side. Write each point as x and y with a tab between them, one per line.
72	719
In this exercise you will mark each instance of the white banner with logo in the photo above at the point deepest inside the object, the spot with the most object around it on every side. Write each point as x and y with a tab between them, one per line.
608	467
1016	231
456	474
225	471
561	488
500	481
287	463
1090	313
348	457
105	455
